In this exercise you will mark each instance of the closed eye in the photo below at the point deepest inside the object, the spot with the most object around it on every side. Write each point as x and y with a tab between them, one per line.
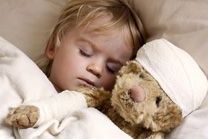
84	53
113	68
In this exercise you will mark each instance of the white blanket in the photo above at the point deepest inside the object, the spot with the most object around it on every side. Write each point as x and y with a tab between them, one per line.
87	123
63	116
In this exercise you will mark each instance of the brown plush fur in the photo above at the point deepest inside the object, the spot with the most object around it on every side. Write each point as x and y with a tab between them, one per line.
157	114
23	116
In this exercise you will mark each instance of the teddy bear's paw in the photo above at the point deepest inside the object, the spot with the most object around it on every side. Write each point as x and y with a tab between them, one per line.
24	116
94	96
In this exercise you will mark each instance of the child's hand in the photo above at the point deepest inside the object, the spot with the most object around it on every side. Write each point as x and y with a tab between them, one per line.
24	116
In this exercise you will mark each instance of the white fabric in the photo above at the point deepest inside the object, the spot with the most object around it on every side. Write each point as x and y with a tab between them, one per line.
62	115
177	73
182	22
16	89
194	126
87	123
28	23
59	105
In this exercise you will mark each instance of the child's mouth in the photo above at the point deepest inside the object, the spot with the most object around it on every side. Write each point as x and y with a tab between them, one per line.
87	82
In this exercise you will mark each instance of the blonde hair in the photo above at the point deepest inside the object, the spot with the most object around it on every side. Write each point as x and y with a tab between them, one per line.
81	12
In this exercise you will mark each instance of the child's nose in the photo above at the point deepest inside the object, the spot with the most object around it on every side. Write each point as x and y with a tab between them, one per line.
95	69
137	94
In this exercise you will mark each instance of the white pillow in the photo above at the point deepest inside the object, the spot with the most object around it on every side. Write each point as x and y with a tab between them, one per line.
182	22
27	23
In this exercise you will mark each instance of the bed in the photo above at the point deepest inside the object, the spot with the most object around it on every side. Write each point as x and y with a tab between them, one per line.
27	24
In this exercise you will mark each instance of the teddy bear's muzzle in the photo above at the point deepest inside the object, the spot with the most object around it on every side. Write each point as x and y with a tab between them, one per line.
137	93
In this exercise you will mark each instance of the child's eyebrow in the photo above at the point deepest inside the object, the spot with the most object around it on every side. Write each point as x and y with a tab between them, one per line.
94	46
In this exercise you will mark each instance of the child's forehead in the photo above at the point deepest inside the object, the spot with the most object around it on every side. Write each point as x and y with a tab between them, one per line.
99	21
103	25
98	31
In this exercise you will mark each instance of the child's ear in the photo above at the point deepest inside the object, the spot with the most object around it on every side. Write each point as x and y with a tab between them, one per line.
50	51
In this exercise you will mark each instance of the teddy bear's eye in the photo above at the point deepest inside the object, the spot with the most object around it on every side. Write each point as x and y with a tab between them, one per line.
158	100
142	76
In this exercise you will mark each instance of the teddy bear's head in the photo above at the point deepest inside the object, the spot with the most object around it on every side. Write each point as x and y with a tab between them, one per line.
139	99
160	87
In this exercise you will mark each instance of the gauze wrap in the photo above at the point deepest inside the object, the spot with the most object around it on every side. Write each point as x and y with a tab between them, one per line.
176	72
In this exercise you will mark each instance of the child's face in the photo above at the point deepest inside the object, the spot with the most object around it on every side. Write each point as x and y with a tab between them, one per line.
86	57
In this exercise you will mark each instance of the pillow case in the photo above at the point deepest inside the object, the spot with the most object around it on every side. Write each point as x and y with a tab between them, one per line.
182	22
27	23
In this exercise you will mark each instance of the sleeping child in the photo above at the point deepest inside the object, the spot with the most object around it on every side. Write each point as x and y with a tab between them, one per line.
90	42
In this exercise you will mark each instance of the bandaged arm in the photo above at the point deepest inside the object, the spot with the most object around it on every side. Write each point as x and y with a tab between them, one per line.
58	106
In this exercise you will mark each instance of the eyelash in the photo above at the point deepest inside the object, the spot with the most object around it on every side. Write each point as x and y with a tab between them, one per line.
110	70
84	53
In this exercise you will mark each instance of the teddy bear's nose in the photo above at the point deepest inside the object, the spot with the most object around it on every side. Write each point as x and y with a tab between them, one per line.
137	94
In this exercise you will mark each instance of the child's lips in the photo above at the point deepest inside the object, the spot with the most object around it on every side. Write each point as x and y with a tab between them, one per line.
87	82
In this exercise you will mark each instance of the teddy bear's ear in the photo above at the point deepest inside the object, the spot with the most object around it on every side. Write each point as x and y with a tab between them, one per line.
169	118
131	67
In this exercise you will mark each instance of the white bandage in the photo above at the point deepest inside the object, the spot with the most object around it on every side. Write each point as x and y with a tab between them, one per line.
177	73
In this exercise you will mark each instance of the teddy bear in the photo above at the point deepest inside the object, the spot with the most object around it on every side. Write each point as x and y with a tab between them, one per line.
152	94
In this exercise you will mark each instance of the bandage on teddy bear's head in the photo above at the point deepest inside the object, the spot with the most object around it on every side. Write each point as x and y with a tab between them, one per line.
177	73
